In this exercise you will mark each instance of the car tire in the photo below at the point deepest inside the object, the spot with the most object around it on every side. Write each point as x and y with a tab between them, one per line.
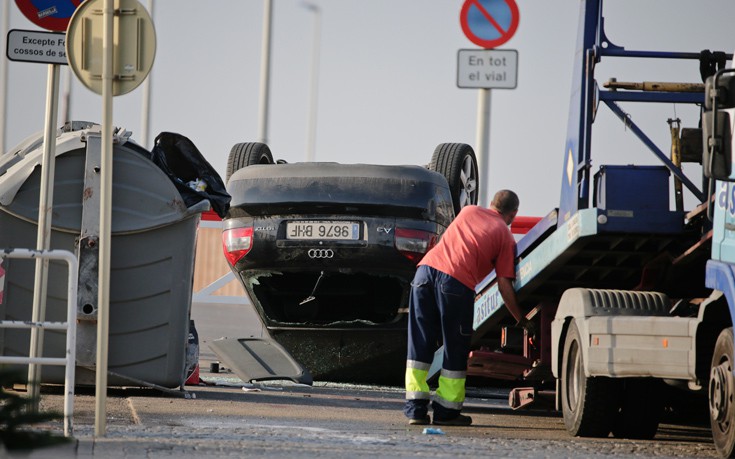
247	154
458	164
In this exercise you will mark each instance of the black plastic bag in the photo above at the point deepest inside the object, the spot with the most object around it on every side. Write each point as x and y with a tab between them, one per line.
193	176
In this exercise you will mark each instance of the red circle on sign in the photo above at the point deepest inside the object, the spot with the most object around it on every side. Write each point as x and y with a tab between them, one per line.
505	33
53	15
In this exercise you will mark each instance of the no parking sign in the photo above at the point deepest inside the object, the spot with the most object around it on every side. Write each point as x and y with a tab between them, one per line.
489	23
49	14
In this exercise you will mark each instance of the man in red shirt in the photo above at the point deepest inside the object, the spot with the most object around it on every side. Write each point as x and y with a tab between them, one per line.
441	304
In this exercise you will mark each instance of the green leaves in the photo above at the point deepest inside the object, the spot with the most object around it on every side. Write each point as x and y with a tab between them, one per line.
17	415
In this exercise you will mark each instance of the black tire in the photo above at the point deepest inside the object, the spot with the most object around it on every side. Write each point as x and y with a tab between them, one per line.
247	154
721	395
458	164
640	410
588	404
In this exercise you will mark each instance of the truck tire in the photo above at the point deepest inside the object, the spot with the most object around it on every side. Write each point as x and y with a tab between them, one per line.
247	154
640	409
721	394
458	164
588	403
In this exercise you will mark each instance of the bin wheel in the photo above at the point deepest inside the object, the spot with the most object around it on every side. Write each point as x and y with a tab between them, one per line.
587	405
722	394
458	164
640	410
247	154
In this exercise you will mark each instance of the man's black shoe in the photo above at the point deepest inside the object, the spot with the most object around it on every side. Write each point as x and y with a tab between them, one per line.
460	420
422	421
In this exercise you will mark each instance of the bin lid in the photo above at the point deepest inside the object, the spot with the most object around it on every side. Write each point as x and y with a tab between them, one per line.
143	197
259	359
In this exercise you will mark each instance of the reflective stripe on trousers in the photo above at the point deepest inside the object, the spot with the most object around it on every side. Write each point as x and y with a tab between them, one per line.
416	386
451	391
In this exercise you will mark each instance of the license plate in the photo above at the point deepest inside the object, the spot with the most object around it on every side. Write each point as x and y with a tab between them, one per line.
330	231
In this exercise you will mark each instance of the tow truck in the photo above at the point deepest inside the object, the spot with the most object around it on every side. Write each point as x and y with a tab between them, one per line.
630	293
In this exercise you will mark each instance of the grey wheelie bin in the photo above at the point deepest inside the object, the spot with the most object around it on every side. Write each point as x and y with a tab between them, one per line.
152	257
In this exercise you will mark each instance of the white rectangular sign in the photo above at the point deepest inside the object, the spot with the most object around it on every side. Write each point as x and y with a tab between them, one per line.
487	68
34	46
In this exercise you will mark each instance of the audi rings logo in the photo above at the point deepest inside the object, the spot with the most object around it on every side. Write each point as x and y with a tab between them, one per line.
321	253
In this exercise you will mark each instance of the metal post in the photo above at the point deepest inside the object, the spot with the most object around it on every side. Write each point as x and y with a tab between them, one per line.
675	128
103	314
311	131
69	361
265	69
145	116
43	240
66	107
482	149
71	344
4	72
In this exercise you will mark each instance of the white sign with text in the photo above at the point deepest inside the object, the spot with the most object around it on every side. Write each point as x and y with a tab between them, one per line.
487	68
34	46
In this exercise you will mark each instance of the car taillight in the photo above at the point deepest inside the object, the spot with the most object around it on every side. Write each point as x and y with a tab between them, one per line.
236	243
414	244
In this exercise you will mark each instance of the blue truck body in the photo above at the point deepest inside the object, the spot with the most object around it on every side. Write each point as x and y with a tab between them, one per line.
628	289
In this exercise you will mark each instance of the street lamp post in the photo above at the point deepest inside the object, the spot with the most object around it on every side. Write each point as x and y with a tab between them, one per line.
313	93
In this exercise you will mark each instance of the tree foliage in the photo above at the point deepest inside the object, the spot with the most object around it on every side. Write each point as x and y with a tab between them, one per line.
17	416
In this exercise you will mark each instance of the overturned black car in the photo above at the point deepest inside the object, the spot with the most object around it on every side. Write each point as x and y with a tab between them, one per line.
327	251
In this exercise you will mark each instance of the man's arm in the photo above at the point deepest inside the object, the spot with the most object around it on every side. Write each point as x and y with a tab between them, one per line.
505	286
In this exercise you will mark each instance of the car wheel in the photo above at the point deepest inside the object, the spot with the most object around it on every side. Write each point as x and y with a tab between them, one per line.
721	395
247	154
458	164
588	403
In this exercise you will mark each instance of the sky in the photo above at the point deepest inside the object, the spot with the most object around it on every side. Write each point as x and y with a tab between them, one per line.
387	83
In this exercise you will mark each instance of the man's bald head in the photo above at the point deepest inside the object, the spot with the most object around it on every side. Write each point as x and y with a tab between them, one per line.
506	202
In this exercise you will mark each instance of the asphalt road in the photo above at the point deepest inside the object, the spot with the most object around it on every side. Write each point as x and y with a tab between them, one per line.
328	420
284	420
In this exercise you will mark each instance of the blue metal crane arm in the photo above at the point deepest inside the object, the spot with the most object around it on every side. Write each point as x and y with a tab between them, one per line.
656	151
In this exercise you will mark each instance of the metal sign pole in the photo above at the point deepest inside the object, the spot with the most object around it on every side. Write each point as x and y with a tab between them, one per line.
145	112
103	315
4	73
483	144
265	70
43	241
91	34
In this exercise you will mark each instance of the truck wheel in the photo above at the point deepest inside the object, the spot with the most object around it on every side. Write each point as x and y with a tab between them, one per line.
458	164
247	154
588	404
722	394
640	410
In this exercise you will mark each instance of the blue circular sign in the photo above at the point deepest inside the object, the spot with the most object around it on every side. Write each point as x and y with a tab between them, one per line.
489	23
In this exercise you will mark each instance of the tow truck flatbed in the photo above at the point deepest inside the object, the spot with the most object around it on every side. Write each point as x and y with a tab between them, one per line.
596	248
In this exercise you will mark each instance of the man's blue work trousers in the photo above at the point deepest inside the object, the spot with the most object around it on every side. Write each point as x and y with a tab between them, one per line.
440	312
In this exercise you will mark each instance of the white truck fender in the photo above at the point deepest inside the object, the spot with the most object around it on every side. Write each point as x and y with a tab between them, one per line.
582	303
